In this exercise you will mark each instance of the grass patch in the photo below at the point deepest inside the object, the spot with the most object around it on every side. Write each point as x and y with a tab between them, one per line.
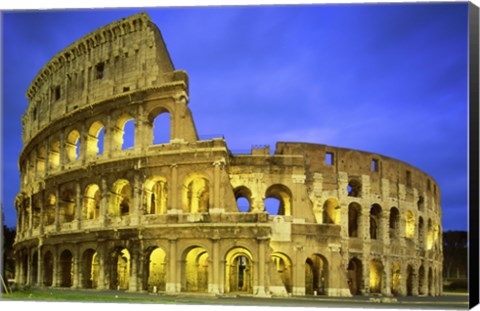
90	296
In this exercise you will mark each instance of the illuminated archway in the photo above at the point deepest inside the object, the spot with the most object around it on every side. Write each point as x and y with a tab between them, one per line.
238	271
331	211
196	194
394	223
67	205
72	145
54	155
375	222
49	210
283	196
89	270
195	270
316	275
124	133
376	276
156	195
396	279
120	198
161	128
120	269
354	276
91	202
409	225
157	270
283	266
94	139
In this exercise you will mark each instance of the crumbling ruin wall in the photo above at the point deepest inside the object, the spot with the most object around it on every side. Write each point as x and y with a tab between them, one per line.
187	215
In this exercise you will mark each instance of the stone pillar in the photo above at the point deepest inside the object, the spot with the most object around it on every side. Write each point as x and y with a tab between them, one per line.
366	274
30	215
56	268
259	289
171	283
137	206
57	209
78	207
215	283
42	210
101	253
298	271
173	197
387	268
63	154
132	284
385	226
76	267
39	264
108	131
142	139
103	210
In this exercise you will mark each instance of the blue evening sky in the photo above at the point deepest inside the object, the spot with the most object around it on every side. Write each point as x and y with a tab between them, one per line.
386	78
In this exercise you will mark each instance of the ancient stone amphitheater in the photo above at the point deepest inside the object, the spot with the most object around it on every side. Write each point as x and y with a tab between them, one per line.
187	215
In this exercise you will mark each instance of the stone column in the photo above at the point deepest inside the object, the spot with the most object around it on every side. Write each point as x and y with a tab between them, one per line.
142	139
260	286
366	274
171	283
103	210
63	155
132	284
39	264
298	271
78	207
108	136
215	283
30	215
76	267
173	197
57	209
137	208
42	210
101	253
56	268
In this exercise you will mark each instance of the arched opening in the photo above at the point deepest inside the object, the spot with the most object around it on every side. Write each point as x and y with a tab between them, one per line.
196	195
396	279
67	210
124	133
36	210
239	272
429	235
41	156
48	269
278	200
430	282
91	202
195	270
376	276
409	225
375	222
354	188
420	203
409	280
34	268
49	210
421	280
157	270
66	269
72	146
120	269
394	223
331	212
120	198
354	213
161	129
421	232
156	195
54	155
316	275
243	196
354	276
95	139
283	266
89	275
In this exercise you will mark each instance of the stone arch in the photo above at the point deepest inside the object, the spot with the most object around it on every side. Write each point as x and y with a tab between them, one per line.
354	187
161	123
89	269
66	268
156	193
421	203
316	275
120	198
284	196
283	267
331	211
375	222
67	209
376	276
195	270
239	270
41	157
49	210
394	223
429	234
409	224
354	219
421	280
355	276
409	281
196	194
123	129
91	202
48	269
54	155
94	139
34	268
120	265
243	197
157	270
421	232
72	146
396	279
430	281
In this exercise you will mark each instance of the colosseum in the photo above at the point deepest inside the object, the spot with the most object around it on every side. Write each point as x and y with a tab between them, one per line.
188	215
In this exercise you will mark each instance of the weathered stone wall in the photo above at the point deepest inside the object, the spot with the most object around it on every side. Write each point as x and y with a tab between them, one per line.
187	214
